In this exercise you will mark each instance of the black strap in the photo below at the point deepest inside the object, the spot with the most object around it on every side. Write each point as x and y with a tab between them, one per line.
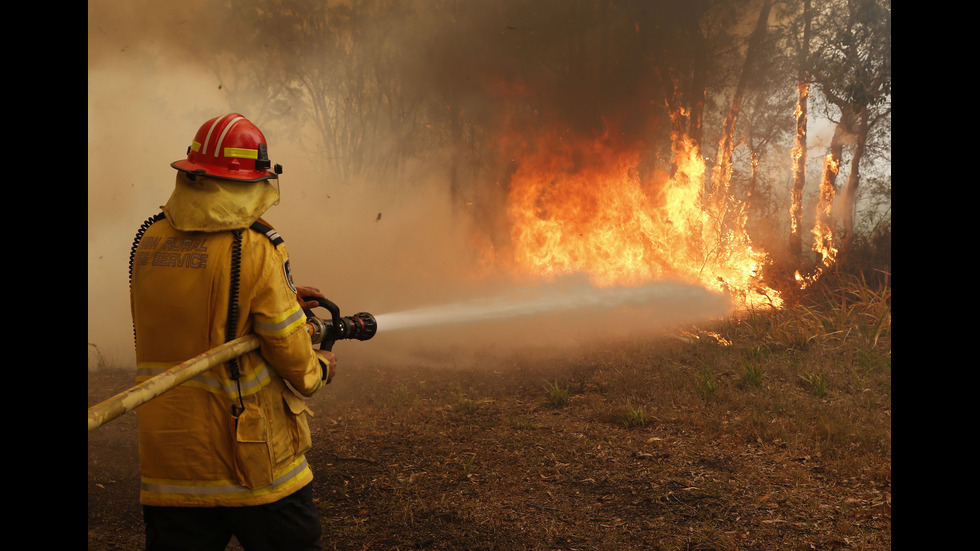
267	231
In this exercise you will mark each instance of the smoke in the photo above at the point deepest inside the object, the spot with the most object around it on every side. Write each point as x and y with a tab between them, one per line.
370	244
144	105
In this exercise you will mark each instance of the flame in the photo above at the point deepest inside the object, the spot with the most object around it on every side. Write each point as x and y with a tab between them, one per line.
798	157
693	337
581	205
823	232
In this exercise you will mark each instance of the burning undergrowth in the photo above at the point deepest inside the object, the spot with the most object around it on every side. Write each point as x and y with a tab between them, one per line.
601	206
586	204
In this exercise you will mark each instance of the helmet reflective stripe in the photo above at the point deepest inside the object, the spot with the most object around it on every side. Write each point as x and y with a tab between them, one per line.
207	139
217	148
241	153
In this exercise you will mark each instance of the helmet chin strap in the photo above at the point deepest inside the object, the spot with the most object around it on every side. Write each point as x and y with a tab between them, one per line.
192	175
278	194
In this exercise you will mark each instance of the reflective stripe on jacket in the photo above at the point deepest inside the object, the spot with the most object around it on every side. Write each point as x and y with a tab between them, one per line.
193	450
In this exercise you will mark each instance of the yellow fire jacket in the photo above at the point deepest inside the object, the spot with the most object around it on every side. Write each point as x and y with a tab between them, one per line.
193	450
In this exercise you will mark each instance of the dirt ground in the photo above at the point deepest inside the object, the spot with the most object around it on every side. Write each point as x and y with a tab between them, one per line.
445	458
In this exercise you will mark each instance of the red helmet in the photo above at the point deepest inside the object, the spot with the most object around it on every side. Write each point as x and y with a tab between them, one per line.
231	148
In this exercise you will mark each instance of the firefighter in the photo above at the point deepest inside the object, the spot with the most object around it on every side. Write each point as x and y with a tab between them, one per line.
223	454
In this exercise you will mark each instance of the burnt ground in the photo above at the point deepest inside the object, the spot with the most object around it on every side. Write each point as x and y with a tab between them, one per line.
445	458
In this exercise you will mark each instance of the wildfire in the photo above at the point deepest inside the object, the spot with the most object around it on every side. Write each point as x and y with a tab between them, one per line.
583	205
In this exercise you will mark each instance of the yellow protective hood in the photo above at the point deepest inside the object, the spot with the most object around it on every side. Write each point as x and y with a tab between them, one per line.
211	205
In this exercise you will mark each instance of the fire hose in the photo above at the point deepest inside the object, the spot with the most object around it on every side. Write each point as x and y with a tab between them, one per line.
361	326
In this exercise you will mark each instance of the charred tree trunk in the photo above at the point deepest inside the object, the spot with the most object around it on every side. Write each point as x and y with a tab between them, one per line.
848	196
842	136
698	90
825	239
723	168
799	151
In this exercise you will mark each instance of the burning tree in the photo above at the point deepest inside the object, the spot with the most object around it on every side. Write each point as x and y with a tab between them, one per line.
852	68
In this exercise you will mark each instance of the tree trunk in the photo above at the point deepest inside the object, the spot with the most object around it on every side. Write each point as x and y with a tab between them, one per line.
842	135
698	90
723	168
824	238
799	151
848	196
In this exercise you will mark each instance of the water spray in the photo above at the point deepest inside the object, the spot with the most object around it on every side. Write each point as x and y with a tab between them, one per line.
554	299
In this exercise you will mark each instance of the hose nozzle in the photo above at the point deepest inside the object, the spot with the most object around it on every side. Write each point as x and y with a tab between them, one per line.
361	326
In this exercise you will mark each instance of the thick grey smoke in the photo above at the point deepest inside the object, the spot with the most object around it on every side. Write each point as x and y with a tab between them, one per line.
152	83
